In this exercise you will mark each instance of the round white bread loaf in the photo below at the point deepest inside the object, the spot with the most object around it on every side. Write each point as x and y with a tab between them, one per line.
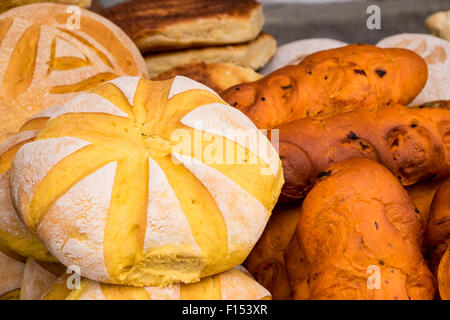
294	52
50	52
235	284
147	183
436	53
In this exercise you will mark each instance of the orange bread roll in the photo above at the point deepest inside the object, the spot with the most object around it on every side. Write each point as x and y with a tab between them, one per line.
422	194
266	261
361	237
438	238
332	81
413	143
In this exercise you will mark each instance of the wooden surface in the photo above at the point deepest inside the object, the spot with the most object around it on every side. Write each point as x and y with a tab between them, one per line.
347	21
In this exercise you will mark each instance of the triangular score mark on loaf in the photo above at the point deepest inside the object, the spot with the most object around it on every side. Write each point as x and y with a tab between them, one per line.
128	86
19	74
74	232
232	124
245	217
85	42
107	38
182	84
9	147
83	103
127	217
64	56
166	222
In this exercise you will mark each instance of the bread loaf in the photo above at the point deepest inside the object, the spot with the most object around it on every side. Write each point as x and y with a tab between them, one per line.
131	183
11	273
361	237
45	60
14	235
38	276
293	53
9	4
266	262
437	238
413	143
235	284
175	24
422	194
436	53
217	76
332	81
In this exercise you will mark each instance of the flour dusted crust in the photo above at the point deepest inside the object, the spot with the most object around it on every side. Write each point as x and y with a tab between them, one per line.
37	279
294	52
436	53
11	273
43	62
114	195
234	284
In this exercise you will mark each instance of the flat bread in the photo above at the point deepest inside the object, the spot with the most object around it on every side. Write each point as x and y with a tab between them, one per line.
436	53
254	54
438	24
294	52
157	25
217	76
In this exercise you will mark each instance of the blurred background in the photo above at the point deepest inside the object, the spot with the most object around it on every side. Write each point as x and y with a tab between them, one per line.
343	20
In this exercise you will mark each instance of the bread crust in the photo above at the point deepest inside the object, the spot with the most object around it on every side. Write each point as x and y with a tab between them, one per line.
356	220
254	54
437	238
217	76
413	143
332	81
173	24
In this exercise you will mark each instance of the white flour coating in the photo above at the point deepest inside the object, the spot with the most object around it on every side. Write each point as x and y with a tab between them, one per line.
73	229
83	103
128	86
294	52
236	285
182	84
167	293
17	138
166	221
245	217
9	221
65	49
11	273
36	281
436	53
232	124
32	163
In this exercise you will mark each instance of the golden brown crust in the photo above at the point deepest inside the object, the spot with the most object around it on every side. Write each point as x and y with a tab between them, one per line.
422	194
413	143
146	18
330	82
356	220
437	236
217	76
266	261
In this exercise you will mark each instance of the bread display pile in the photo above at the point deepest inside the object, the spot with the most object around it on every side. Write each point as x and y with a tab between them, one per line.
174	33
328	178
